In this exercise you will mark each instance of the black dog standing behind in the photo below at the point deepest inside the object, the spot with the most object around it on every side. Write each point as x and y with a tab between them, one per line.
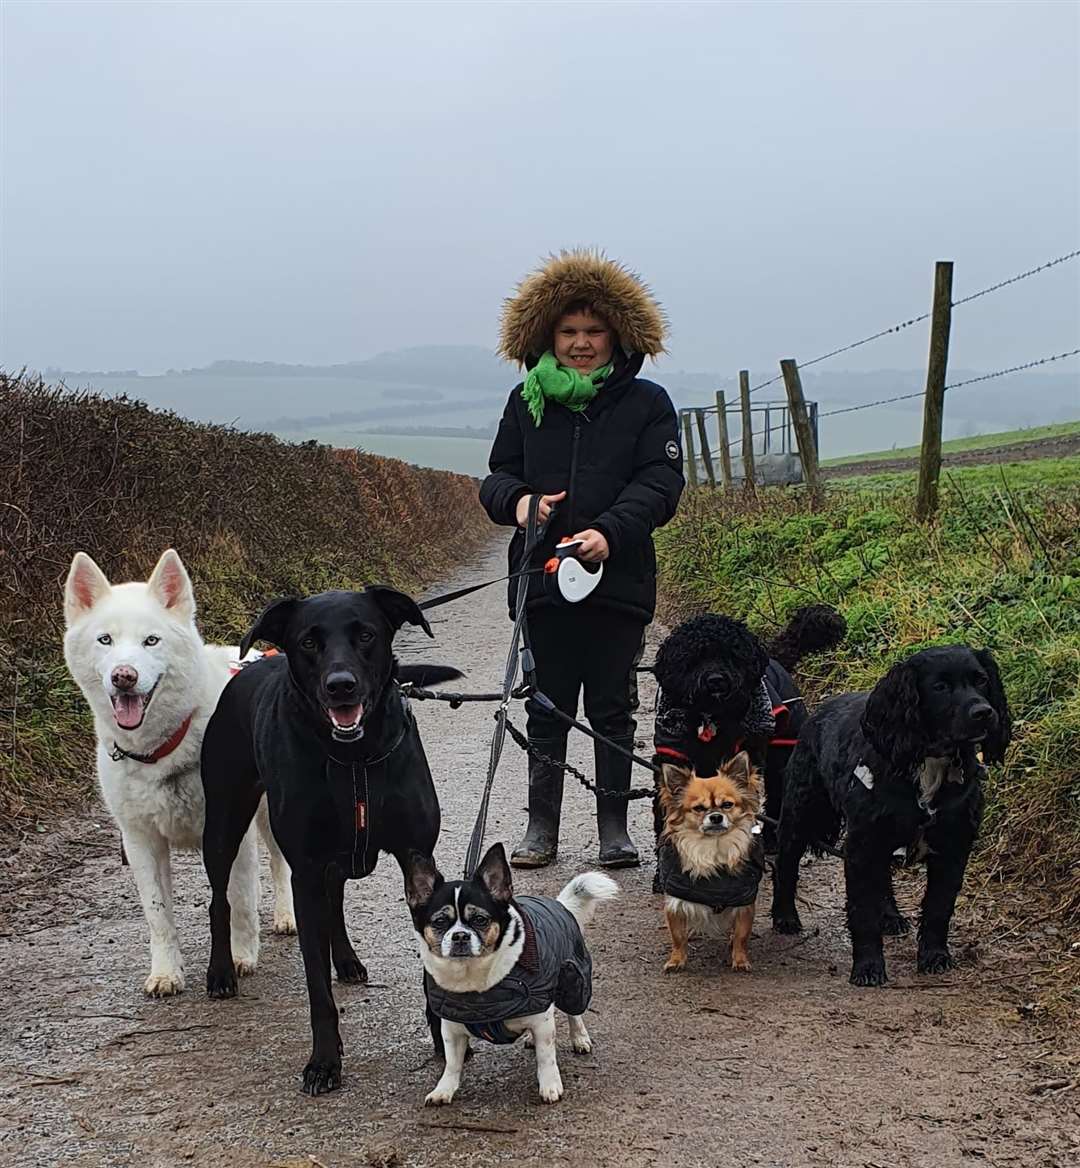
326	733
722	691
899	767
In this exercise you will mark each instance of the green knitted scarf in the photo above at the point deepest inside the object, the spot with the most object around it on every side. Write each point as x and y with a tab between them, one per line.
550	381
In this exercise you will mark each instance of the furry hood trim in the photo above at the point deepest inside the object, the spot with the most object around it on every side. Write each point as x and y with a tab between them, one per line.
613	291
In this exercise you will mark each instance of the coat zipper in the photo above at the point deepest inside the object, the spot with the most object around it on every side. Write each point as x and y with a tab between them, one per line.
573	475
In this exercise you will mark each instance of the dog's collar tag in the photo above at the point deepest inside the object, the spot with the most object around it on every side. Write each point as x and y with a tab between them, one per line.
865	776
707	732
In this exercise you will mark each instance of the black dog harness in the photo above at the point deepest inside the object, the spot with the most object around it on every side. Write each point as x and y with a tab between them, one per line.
722	890
554	967
356	787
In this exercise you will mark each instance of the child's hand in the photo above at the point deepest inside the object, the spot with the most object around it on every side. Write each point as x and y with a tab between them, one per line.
594	547
544	513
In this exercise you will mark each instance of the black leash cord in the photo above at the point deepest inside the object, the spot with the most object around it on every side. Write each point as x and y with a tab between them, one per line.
498	738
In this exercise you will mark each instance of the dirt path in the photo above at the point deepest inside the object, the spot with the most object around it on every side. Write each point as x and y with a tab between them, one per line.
1015	452
786	1066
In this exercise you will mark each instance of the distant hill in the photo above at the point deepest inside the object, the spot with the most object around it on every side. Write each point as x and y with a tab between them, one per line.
454	389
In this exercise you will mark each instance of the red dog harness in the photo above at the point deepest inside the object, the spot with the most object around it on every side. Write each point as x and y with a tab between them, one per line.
707	732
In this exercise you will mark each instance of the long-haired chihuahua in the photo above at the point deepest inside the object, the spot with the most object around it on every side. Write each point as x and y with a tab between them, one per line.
711	859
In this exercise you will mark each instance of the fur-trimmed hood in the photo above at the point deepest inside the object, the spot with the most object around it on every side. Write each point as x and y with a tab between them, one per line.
611	289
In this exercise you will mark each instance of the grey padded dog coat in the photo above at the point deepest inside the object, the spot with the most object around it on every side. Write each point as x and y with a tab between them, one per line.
554	967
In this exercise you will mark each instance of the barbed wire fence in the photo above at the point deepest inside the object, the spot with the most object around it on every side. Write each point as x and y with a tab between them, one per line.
797	414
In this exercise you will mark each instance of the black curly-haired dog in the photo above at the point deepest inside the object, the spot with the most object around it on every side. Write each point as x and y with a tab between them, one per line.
897	766
722	691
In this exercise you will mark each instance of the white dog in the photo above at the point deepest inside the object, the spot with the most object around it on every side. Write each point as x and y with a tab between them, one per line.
152	685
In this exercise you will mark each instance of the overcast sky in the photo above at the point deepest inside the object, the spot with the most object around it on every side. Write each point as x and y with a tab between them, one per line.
319	182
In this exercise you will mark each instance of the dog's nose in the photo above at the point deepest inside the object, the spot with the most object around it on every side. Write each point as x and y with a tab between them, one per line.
125	677
341	684
982	712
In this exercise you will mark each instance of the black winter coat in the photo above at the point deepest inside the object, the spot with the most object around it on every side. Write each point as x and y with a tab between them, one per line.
620	462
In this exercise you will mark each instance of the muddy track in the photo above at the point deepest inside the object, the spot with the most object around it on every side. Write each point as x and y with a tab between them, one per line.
1014	452
786	1066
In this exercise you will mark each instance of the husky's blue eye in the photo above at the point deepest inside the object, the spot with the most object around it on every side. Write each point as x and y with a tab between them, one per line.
104	639
151	640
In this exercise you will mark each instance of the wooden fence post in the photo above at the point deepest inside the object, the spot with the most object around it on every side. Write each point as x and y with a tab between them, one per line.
749	481
706	454
722	435
804	432
934	400
689	458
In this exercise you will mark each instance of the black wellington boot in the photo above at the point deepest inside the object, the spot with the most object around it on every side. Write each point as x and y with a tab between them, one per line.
613	774
541	843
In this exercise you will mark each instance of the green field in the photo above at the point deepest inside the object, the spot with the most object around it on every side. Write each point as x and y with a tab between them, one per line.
978	442
1032	474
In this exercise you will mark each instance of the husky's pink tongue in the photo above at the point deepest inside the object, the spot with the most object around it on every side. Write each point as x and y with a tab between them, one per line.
345	717
128	710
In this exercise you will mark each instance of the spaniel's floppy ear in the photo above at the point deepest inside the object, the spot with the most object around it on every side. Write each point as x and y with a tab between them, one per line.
676	778
892	720
996	742
271	625
422	879
398	608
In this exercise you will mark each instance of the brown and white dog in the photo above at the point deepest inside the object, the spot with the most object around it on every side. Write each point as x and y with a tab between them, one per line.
711	858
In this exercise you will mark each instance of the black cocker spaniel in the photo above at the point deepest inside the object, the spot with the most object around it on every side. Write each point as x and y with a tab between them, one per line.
898	767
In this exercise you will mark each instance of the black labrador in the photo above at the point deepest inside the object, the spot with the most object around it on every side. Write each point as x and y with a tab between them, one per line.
897	766
325	731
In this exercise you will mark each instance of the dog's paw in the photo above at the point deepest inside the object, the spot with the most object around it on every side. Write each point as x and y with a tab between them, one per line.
935	961
741	962
551	1088
440	1097
895	925
284	924
246	966
164	985
869	972
321	1076
351	971
581	1043
221	983
787	923
674	964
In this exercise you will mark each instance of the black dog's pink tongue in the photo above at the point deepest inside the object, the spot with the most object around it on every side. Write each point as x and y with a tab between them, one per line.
128	710
346	716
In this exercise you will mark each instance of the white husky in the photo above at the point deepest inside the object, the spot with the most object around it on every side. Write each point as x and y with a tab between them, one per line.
152	685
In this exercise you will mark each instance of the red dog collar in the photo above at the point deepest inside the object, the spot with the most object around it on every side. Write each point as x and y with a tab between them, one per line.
163	751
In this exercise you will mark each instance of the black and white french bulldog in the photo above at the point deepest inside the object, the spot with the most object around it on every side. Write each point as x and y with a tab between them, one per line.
496	966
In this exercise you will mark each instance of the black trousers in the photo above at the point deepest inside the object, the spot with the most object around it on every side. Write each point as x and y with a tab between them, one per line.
579	647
